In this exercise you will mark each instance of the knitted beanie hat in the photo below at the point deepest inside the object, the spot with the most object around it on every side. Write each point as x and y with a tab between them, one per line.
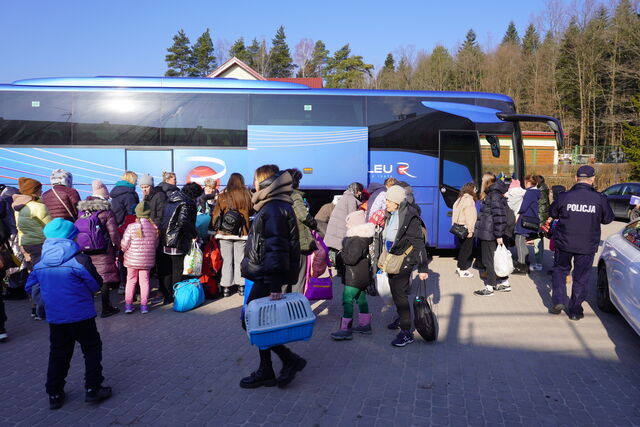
396	194
146	179
60	228
143	210
28	186
99	189
61	177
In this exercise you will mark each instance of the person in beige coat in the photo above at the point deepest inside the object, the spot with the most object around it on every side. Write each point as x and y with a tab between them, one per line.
465	213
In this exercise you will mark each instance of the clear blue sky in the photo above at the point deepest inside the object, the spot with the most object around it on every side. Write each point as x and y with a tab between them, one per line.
42	38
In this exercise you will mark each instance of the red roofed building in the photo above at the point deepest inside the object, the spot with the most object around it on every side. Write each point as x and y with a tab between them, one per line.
236	69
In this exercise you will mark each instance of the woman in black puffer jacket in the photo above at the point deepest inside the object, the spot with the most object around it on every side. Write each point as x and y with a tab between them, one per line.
271	260
178	231
491	228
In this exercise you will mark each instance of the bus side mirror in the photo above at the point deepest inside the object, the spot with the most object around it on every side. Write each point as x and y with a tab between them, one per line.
494	143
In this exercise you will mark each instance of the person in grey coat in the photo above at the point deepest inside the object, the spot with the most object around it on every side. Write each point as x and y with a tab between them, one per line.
337	228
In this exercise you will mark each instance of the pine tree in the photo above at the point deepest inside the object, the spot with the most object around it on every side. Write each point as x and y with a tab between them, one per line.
346	71
511	36
319	58
632	140
470	42
530	41
469	64
203	58
179	59
239	50
389	64
254	50
281	64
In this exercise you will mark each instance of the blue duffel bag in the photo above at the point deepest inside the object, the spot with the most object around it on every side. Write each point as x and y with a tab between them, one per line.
187	295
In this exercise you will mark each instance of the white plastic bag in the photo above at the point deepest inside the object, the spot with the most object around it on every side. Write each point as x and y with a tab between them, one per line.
193	261
502	261
383	288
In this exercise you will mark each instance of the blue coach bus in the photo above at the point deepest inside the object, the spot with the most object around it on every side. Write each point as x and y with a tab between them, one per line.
98	127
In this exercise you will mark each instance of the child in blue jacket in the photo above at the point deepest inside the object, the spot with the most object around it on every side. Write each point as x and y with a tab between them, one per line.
68	281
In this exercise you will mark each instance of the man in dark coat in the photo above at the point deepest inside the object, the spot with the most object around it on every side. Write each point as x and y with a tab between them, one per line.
580	212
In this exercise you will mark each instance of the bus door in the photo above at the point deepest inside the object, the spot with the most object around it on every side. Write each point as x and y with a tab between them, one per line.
459	164
153	162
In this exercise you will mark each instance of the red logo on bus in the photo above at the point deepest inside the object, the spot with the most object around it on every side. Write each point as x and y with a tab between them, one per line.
403	169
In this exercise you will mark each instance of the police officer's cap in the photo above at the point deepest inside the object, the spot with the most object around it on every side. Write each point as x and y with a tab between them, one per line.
586	172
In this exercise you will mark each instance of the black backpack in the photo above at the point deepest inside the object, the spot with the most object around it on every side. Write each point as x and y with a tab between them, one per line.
231	222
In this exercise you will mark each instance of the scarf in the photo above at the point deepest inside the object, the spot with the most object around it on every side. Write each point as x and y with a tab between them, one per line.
279	189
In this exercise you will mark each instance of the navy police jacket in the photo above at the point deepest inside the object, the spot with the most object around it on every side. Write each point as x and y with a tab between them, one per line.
580	212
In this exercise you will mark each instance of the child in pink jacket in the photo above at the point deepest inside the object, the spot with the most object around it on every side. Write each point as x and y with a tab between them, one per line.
139	246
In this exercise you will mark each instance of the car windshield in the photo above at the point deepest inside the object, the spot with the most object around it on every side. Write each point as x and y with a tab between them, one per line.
632	233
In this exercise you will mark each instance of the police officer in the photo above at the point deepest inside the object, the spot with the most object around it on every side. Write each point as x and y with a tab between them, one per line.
579	212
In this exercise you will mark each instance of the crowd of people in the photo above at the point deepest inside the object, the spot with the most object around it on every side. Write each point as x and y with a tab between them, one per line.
73	248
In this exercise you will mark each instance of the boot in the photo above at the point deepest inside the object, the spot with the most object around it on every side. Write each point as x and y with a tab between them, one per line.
344	333
364	324
291	364
97	395
263	376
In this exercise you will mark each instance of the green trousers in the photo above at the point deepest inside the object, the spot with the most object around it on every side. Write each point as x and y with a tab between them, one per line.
349	294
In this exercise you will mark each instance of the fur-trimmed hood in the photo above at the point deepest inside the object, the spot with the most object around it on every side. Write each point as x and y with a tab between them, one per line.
94	204
362	230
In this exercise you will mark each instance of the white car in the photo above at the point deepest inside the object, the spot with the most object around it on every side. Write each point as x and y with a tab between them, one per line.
619	274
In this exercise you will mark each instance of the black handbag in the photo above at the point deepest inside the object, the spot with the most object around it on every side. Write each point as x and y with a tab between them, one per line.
424	318
530	224
459	230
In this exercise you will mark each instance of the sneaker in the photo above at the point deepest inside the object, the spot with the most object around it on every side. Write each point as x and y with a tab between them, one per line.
576	316
120	290
484	292
464	273
342	334
264	376
395	324
33	312
97	395
503	287
156	300
109	311
128	308
289	370
403	338
557	309
3	334
144	309
56	400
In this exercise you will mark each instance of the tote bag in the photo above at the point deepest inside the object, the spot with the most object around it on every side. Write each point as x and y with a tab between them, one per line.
424	318
188	295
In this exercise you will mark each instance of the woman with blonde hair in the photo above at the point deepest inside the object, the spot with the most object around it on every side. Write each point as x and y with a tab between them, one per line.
124	198
490	229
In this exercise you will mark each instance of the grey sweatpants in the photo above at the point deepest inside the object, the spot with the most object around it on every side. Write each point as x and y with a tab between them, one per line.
232	252
521	248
